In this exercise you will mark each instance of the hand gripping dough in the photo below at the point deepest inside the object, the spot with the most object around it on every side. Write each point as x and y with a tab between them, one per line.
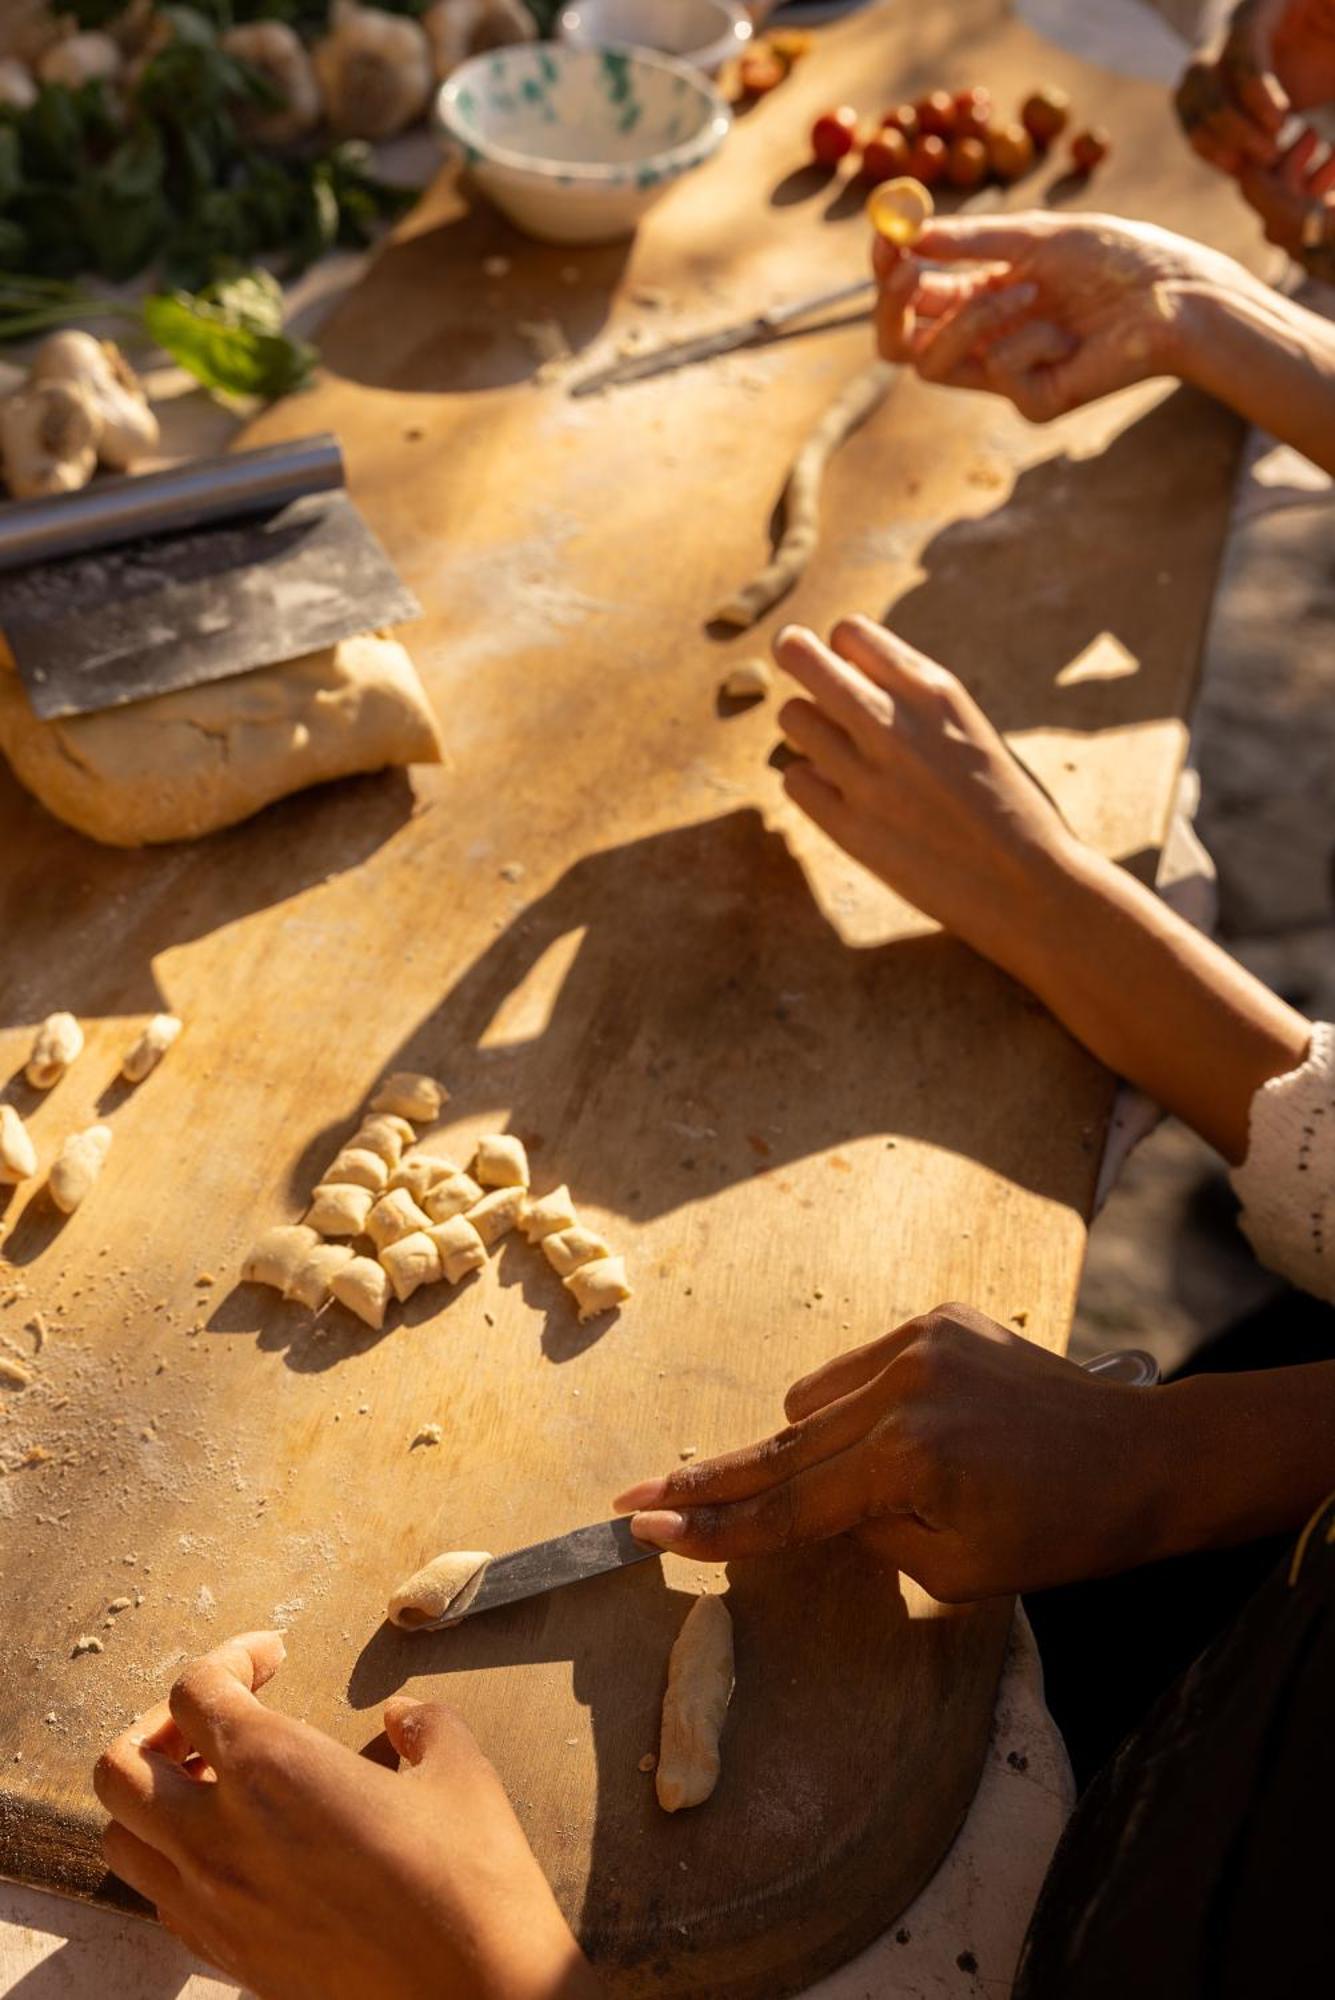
152	1044
547	1214
311	1284
501	1161
497	1213
439	1593
451	1197
55	1046
414	1260
18	1155
598	1287
384	1135
394	1216
363	1287
699	1688
420	1172
277	1255
360	1166
459	1248
339	1209
77	1165
183	764
569	1248
408	1095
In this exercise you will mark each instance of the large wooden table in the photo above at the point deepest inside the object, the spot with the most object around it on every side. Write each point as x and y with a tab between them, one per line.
801	1112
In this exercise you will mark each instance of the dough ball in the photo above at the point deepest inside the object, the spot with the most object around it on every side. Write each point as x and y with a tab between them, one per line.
413	1261
459	1248
408	1095
393	1217
18	1155
77	1165
339	1209
420	1172
598	1287
452	1196
385	1135
439	1593
363	1287
501	1162
546	1215
569	1248
152	1044
57	1043
749	680
360	1166
311	1284
274	1258
497	1213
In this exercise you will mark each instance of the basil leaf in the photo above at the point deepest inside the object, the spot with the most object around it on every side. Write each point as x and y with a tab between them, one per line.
223	351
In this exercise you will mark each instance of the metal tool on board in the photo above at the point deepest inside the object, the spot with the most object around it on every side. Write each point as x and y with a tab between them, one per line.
145	583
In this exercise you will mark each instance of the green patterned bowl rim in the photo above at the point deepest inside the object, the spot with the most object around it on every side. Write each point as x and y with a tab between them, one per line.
452	115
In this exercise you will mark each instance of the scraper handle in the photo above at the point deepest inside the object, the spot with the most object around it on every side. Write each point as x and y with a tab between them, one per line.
132	506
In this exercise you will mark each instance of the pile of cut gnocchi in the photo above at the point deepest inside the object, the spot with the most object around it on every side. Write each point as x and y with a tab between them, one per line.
58	1043
427	1218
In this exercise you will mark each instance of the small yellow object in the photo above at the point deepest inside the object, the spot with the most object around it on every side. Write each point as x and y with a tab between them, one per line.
900	210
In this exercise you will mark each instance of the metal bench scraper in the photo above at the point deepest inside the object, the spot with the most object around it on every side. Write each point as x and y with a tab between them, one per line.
145	583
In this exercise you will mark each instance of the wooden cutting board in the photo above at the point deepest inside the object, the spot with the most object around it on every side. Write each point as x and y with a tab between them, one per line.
800	1112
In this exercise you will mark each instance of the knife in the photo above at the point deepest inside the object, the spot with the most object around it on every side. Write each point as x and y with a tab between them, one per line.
747	332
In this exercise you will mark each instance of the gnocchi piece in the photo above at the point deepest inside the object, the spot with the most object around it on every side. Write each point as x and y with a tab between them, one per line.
439	1594
311	1284
414	1260
383	1134
497	1213
599	1287
363	1287
749	680
419	1173
18	1155
410	1096
275	1257
699	1688
55	1046
459	1248
77	1165
569	1248
339	1209
358	1166
501	1161
547	1214
152	1044
394	1216
452	1197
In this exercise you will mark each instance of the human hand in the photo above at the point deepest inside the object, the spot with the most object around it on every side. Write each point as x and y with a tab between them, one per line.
1052	313
1276	57
308	1873
1295	200
971	1459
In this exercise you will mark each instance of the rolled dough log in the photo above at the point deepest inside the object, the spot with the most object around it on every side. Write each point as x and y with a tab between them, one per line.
440	1592
184	764
699	1689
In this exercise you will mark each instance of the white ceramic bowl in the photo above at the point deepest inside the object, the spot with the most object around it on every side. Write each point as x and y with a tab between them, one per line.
703	33
575	144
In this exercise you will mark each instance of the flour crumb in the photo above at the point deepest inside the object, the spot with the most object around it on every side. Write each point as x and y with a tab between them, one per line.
85	1643
206	1604
688	1451
495	267
429	1434
649	1761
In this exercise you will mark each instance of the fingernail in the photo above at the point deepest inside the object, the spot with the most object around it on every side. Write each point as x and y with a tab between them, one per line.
662	1528
635	1497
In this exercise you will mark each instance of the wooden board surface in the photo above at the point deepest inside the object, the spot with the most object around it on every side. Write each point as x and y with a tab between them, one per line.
800	1112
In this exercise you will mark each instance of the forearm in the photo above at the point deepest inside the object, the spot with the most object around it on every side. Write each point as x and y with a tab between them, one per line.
1153	998
1270	360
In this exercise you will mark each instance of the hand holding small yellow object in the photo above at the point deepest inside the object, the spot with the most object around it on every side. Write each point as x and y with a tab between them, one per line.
900	210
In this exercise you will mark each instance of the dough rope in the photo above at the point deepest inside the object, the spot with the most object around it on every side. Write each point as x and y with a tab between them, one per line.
801	497
699	1688
1286	1184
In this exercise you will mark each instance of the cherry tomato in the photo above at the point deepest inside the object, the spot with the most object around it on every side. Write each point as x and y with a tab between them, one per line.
1045	113
973	112
885	156
1089	150
928	160
1010	150
904	118
834	135
968	164
936	114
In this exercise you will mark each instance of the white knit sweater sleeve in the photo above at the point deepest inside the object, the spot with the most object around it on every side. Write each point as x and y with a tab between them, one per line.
1286	1184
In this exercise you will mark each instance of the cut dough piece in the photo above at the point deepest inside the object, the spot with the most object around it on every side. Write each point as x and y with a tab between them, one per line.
55	1046
414	1260
452	1197
570	1248
598	1287
699	1687
77	1165
18	1155
183	764
749	680
384	1134
359	1166
501	1161
547	1214
339	1209
395	1215
459	1247
801	497
152	1044
277	1255
420	1172
311	1284
900	210
408	1095
363	1287
438	1594
497	1213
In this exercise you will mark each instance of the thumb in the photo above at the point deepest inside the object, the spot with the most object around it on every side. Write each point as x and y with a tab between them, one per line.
429	1736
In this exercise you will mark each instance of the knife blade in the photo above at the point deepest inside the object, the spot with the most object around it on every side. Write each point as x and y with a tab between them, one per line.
701	347
569	1558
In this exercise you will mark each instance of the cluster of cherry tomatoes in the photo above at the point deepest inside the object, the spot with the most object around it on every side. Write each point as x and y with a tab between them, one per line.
952	137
